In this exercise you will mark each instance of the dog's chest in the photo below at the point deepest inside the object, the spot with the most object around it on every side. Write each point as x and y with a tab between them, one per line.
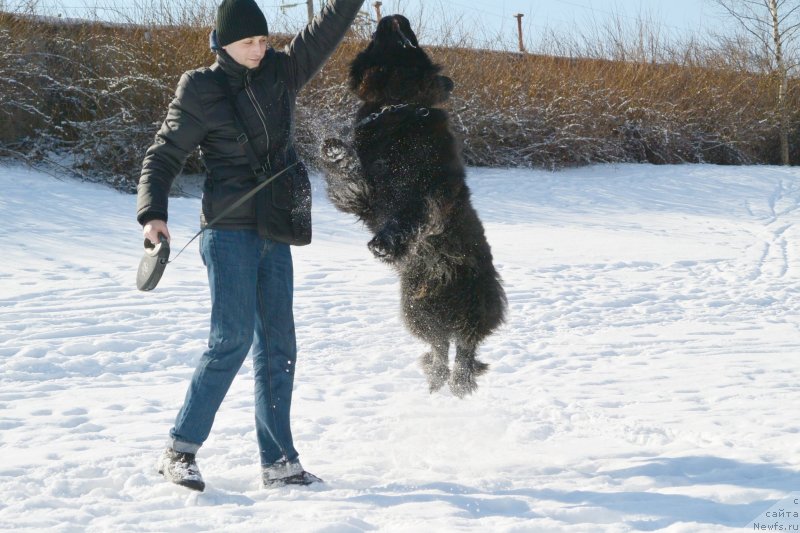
396	190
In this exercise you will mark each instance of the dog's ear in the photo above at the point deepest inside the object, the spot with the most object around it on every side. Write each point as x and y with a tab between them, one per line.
395	85
373	85
358	68
446	84
437	90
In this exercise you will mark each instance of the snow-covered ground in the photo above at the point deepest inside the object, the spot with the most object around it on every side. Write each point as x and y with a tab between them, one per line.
648	377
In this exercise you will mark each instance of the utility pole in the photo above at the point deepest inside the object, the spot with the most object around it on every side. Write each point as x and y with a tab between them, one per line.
310	11
286	7
519	16
378	9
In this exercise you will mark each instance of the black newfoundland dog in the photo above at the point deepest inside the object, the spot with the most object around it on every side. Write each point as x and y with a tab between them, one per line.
404	178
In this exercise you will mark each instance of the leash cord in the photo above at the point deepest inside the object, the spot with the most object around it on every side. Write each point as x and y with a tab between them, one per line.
233	206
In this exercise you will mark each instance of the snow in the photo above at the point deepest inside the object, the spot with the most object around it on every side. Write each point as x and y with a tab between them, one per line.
647	378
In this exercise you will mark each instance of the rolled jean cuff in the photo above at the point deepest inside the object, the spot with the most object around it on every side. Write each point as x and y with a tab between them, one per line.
182	446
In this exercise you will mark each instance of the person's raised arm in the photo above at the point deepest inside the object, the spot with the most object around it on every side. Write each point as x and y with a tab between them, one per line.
310	48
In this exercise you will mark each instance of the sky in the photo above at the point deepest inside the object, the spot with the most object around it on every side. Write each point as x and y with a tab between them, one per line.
486	20
497	16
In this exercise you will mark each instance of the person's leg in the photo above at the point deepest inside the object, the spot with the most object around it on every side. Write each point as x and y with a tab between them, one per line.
231	258
274	355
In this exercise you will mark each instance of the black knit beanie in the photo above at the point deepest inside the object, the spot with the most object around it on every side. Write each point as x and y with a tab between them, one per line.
239	19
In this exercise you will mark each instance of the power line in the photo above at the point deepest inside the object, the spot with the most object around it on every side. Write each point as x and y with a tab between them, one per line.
590	8
465	6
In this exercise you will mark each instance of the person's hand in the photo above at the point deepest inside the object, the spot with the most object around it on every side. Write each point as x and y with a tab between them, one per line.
153	228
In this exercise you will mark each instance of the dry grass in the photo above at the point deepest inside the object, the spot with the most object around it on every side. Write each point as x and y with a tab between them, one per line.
97	92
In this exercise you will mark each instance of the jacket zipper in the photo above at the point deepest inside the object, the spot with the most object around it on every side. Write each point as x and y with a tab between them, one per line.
257	107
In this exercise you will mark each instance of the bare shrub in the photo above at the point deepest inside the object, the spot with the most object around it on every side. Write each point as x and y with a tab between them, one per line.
90	96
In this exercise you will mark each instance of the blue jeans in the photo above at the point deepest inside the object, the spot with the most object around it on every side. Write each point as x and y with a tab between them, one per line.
251	283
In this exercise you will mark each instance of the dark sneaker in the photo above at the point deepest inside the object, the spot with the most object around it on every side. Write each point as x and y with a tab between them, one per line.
181	469
303	478
285	473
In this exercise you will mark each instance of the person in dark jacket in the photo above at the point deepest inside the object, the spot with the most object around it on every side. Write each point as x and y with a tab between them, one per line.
240	113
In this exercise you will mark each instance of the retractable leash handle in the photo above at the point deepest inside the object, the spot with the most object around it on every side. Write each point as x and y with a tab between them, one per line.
153	263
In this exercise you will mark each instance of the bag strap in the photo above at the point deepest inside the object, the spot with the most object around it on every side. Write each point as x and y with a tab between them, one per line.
259	169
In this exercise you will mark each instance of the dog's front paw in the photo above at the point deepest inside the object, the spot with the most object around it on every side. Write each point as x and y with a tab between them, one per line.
387	246
334	150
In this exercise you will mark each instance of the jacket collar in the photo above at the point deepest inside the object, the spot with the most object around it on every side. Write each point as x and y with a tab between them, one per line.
238	72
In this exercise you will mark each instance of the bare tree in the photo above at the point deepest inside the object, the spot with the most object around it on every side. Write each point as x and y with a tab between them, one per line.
776	26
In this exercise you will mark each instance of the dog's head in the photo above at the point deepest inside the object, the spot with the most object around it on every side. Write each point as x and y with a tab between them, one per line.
394	69
394	33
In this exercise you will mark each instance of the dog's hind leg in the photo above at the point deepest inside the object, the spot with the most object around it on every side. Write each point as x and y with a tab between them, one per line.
435	365
465	369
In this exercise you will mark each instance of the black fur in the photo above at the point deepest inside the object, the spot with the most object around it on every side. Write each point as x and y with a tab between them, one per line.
403	177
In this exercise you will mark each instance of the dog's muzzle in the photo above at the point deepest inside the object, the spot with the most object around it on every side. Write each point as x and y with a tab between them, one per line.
403	40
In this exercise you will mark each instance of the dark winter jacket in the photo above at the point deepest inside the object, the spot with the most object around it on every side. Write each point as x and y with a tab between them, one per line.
201	115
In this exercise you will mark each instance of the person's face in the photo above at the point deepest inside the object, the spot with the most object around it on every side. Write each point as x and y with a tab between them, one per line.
249	51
